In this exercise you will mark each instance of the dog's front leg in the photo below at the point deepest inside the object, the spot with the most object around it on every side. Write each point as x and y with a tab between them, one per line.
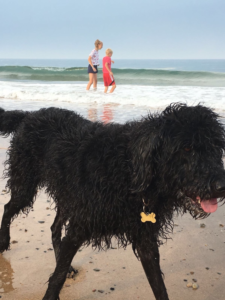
149	255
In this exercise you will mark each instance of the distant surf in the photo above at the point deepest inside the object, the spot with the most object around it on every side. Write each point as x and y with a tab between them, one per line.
152	84
125	76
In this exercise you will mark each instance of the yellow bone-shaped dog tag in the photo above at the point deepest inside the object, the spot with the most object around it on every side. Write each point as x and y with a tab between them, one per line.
149	217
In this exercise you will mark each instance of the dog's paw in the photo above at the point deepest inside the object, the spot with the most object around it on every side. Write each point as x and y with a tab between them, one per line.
72	272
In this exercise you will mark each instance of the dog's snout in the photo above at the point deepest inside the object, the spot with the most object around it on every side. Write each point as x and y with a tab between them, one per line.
218	185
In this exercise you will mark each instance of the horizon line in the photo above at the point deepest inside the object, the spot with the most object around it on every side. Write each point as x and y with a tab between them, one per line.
125	58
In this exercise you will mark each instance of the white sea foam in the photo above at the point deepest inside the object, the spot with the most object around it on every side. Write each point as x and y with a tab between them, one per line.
151	96
48	68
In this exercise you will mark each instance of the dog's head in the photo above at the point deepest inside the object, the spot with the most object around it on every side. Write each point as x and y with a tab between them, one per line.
180	153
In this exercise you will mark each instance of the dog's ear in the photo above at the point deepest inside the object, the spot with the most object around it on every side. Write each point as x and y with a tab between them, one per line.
145	151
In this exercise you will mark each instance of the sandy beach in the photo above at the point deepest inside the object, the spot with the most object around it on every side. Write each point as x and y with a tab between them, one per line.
194	254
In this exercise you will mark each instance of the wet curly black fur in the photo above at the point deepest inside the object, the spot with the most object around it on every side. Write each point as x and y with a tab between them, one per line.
98	175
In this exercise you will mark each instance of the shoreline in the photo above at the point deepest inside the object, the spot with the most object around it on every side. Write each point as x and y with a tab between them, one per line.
72	94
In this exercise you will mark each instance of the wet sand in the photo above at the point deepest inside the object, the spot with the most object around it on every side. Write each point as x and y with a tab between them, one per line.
25	269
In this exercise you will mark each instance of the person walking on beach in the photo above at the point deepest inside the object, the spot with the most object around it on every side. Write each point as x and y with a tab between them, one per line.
93	60
107	73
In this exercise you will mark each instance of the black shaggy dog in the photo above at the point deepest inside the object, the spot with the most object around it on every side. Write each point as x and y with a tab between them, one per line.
102	177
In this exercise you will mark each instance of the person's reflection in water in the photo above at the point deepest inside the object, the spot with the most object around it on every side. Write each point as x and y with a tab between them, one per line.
92	114
107	115
6	276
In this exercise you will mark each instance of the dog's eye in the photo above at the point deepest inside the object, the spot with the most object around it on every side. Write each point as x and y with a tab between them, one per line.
188	149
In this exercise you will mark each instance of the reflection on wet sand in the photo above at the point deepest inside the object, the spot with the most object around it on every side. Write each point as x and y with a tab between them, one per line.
107	115
6	276
92	114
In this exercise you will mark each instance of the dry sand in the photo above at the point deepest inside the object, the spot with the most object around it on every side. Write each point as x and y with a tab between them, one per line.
25	269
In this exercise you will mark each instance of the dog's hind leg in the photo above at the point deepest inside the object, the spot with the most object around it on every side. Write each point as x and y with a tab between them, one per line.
67	251
22	196
149	255
56	229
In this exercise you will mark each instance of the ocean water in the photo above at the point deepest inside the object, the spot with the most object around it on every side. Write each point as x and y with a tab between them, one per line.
142	85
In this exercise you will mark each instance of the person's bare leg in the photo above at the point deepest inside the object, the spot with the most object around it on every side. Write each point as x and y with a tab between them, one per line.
95	81
113	88
90	81
106	89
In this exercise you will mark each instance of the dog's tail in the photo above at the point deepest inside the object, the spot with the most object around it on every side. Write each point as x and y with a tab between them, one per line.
10	120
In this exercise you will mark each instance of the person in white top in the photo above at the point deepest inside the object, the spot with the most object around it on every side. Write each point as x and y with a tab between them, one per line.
93	60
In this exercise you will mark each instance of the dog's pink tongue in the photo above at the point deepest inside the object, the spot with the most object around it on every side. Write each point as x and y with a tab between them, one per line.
209	206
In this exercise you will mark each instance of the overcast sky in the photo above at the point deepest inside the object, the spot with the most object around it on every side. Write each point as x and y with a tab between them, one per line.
150	29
